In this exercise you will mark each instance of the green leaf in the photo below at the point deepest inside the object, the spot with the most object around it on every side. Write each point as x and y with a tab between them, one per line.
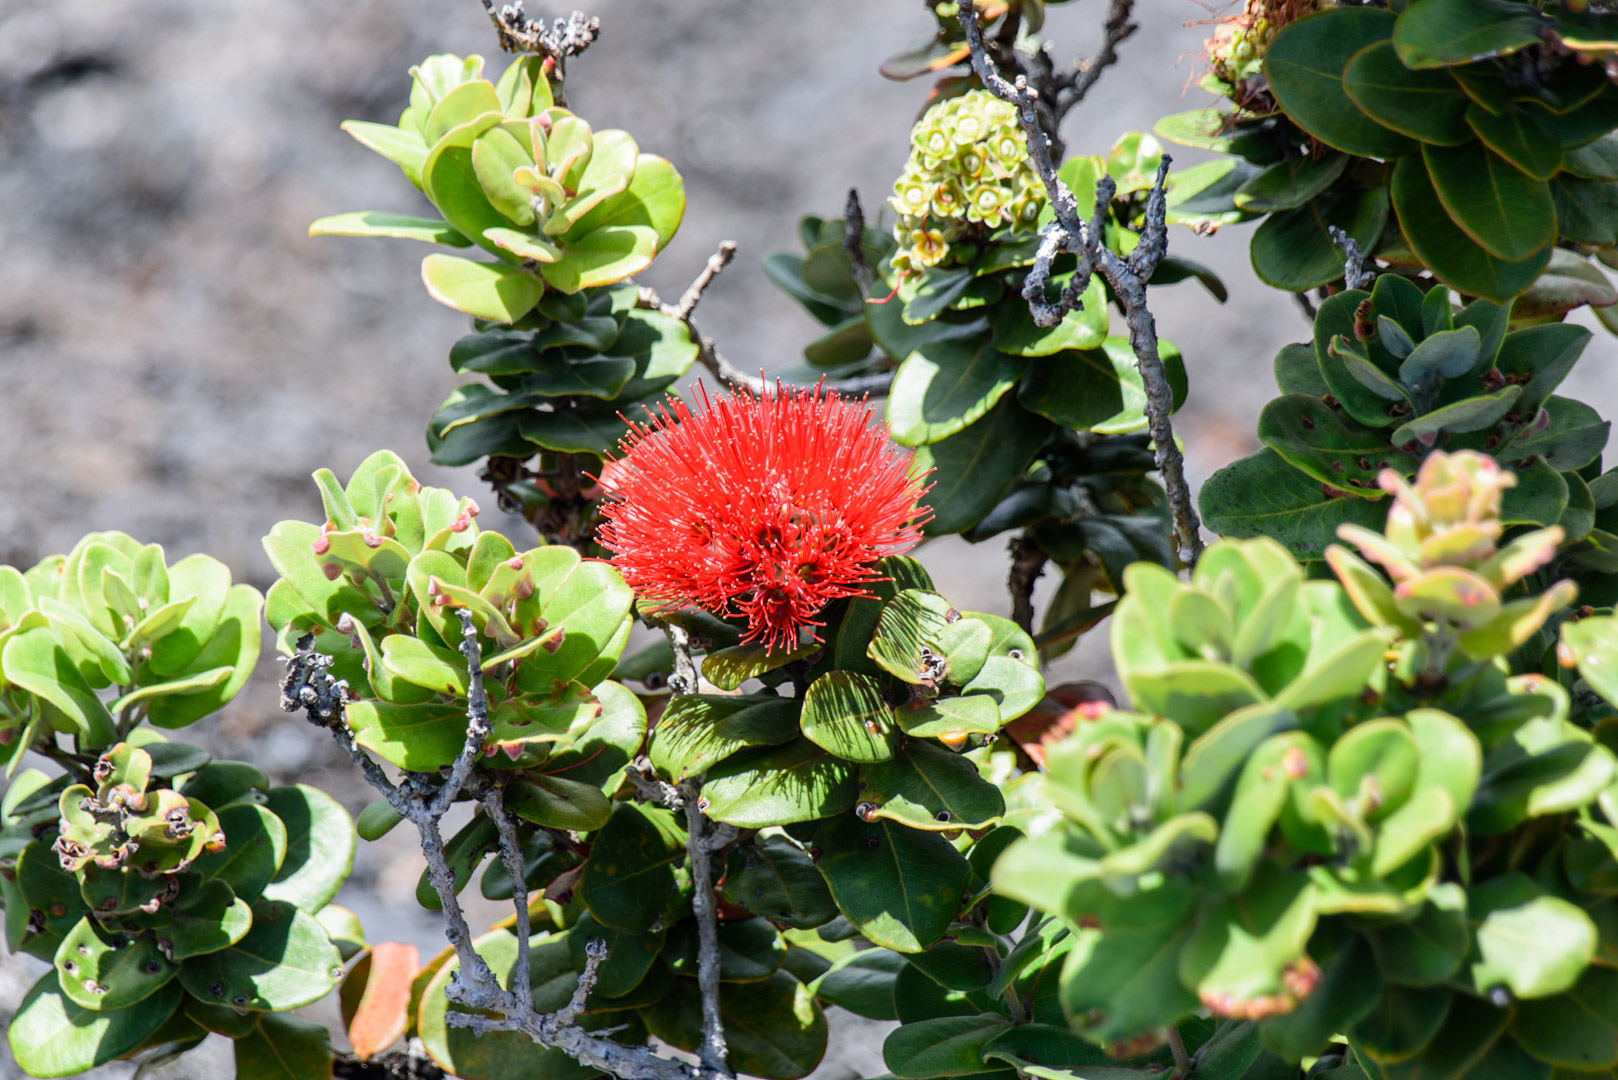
1530	942
1520	138
1097	390
559	803
1293	250
940	390
777	879
206	920
847	714
1243	947
1085	327
101	971
655	199
926	786
405	149
602	257
795	782
1495	203
501	294
1449	252
1327	444
284	1048
1426	105
1305	65
1569	282
1585	209
948	1046
35	661
1472	414
1427	947
1124	982
397	226
863	983
629	877
1290	183
1262	495
750	950
255	848
1577	1031
1436	33
773	1028
285	961
320	844
50	1035
1348	989
698	731
730	667
899	886
1594	161
974	467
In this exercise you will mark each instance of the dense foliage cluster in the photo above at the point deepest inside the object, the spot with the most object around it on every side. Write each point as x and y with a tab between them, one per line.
1356	820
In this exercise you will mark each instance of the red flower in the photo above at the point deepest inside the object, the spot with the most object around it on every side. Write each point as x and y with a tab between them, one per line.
766	507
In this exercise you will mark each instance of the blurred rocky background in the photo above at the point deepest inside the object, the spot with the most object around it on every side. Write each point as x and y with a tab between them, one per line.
176	355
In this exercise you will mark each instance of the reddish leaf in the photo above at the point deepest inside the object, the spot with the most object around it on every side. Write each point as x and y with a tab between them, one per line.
375	997
1054	718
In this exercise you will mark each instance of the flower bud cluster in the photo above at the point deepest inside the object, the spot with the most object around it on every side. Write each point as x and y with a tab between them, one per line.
968	173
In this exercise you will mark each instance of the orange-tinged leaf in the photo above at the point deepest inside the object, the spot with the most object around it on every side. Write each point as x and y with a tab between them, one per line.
378	1017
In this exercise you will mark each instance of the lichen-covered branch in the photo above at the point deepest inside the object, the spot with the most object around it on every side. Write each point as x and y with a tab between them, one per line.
1355	275
708	354
1127	276
713	1052
700	844
421	799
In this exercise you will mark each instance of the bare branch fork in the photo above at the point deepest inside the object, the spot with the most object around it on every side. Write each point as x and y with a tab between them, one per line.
1126	274
1070	89
708	354
423	799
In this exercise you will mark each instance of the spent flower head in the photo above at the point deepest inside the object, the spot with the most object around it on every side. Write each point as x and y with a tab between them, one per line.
768	507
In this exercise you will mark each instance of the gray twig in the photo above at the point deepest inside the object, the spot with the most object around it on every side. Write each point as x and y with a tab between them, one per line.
716	262
708	354
477	719
854	241
683	679
511	855
309	687
700	846
1355	275
1070	90
1128	276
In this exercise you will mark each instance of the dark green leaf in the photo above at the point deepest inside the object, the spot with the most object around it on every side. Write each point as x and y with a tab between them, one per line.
1262	495
629	876
1455	257
285	961
696	732
901	887
1426	105
796	782
972	468
1294	250
1435	33
320	846
1305	66
1495	203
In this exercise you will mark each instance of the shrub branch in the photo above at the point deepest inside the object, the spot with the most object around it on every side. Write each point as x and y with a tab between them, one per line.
423	799
1127	275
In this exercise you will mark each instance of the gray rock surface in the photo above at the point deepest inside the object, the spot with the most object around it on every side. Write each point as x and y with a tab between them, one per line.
176	355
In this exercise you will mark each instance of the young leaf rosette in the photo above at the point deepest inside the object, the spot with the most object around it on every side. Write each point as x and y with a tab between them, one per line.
1333	806
560	206
174	896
